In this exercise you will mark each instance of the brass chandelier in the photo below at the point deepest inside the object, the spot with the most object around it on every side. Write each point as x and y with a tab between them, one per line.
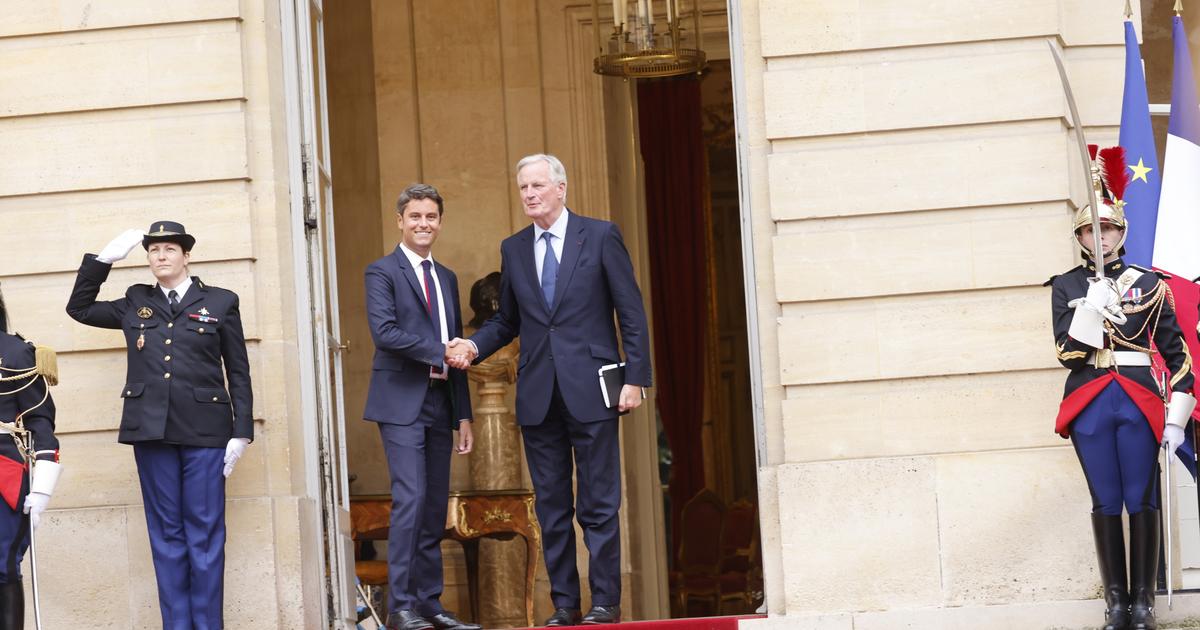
640	48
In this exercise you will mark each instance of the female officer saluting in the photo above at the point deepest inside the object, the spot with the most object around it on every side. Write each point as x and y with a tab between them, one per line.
187	429
26	433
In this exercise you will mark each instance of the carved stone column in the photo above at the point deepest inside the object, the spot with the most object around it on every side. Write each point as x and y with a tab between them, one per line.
496	465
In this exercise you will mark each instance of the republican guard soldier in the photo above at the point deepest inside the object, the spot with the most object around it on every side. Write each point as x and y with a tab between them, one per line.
1106	327
187	410
26	439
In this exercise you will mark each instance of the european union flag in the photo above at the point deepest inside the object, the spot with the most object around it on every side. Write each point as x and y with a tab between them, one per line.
1145	183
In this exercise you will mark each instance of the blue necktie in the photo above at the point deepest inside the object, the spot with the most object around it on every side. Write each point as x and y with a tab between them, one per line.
173	299
431	305
549	270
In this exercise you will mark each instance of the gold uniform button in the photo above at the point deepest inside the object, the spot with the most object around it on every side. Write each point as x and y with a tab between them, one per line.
168	342
167	358
201	331
167	375
128	392
170	324
214	399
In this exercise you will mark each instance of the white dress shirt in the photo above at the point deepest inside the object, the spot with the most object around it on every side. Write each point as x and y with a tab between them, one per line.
180	290
559	232
415	260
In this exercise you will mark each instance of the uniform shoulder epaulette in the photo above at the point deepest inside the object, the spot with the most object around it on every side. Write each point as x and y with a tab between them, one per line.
1055	276
1160	274
18	336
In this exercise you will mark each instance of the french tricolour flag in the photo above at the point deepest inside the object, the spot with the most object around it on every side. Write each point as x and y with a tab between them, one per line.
1164	227
1177	238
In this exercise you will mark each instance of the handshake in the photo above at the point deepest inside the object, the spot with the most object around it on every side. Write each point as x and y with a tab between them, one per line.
460	353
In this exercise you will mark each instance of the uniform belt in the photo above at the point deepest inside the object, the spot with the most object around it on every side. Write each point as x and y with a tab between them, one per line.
435	383
1124	358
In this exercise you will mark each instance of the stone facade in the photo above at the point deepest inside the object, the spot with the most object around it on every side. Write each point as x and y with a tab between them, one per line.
907	170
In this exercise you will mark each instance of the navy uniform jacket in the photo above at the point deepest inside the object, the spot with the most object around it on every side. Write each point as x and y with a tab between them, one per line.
406	341
1150	313
17	354
175	388
571	341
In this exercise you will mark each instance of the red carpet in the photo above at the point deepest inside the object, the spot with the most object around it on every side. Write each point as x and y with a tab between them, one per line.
700	623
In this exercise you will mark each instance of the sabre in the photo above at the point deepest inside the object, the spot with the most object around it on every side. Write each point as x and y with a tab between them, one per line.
33	579
1097	254
1167	520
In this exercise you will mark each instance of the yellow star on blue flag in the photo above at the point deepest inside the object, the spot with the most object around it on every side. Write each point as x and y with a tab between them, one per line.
1139	171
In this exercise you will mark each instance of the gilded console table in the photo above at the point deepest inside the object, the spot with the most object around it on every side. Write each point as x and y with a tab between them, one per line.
501	514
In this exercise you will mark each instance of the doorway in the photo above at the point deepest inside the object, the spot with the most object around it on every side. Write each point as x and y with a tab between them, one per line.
453	94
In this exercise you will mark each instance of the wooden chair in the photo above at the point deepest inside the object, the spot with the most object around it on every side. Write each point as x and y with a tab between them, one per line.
740	580
369	518
697	570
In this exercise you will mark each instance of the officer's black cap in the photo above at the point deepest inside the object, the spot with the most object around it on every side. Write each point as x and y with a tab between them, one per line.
168	231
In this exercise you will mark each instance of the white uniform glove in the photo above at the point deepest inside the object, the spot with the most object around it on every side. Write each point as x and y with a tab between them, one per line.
233	452
119	247
1172	437
1179	410
1101	295
45	477
35	504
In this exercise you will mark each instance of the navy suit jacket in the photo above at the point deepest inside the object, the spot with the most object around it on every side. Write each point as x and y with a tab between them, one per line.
571	340
175	384
406	341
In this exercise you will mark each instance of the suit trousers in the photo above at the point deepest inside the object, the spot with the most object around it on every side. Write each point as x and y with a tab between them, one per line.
184	495
418	457
595	448
14	534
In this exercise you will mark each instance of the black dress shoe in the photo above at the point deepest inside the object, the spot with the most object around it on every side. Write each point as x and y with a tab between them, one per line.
447	621
602	614
563	617
407	620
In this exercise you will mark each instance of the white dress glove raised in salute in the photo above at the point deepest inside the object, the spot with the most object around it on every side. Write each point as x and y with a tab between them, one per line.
119	247
233	452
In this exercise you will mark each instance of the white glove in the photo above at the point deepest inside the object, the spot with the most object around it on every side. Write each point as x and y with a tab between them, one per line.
119	247
233	452
1172	437
35	504
1101	295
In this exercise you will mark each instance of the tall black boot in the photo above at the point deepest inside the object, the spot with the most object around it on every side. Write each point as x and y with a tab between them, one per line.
1110	553
12	606
1143	568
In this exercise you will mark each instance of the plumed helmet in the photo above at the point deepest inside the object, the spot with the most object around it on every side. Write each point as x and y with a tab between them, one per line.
1110	177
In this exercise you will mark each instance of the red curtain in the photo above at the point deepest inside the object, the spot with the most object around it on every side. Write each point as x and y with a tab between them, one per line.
676	169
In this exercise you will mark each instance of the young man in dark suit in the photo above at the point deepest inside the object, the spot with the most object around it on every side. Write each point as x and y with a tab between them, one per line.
417	401
562	279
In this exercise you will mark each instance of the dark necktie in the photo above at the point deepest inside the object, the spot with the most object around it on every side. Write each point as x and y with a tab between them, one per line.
431	305
549	270
173	299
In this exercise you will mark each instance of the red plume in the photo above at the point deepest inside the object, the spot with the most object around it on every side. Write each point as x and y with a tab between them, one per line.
1092	148
1113	171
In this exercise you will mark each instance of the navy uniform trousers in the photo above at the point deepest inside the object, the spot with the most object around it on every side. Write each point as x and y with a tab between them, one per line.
418	456
1118	453
183	491
14	534
550	447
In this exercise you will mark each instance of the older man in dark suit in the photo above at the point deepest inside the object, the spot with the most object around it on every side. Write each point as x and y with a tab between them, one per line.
562	279
417	400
